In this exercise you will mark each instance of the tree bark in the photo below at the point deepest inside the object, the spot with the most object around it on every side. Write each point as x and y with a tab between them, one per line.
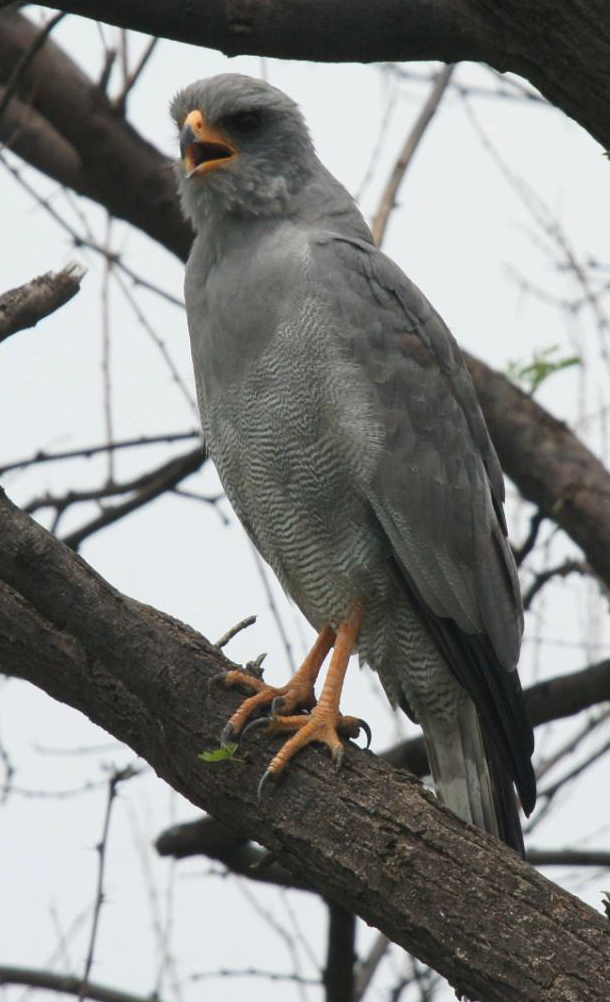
24	306
561	48
368	838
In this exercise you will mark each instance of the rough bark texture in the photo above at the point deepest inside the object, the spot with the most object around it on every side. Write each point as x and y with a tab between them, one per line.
26	305
369	838
561	48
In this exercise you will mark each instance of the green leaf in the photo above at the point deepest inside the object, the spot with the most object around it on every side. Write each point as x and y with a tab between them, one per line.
221	754
530	375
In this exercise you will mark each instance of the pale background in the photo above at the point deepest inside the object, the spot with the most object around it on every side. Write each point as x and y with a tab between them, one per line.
459	229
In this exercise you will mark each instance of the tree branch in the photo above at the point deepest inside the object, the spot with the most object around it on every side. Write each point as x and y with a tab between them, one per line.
116	166
154	484
548	463
27	304
67	984
448	893
549	700
410	145
560	48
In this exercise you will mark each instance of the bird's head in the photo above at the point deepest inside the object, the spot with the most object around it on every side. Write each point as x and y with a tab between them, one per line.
244	148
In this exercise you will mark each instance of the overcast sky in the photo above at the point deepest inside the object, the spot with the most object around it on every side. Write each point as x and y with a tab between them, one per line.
461	232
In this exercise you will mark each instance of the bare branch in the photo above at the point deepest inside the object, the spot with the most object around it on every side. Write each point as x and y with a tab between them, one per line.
93	450
68	984
549	700
24	306
548	463
366	969
390	192
120	102
569	857
242	625
566	61
541	578
166	477
113	783
434	885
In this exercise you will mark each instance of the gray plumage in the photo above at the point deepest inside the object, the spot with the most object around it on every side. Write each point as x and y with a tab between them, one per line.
348	437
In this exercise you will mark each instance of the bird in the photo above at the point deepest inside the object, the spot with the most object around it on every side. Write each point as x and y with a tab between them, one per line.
348	437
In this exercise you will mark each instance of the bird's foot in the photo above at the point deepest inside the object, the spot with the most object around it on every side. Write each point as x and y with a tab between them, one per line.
323	725
297	694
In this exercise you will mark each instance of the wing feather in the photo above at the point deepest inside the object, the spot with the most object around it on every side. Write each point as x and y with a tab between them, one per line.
432	477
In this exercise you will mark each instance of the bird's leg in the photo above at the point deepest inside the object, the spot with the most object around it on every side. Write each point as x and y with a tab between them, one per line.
325	722
297	694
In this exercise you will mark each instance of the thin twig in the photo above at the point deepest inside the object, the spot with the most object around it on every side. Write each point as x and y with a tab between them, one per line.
120	102
66	984
560	571
113	783
242	625
169	475
367	967
388	199
93	450
521	552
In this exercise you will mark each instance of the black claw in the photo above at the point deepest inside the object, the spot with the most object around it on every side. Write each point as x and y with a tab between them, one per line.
266	778
367	730
278	704
228	736
254	724
217	679
338	758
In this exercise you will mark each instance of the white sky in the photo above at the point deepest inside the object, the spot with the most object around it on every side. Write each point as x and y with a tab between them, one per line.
458	228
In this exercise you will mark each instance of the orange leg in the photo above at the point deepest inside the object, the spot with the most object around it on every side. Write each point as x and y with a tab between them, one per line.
298	693
325	721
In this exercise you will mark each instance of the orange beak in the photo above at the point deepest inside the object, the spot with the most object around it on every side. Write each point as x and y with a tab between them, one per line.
203	147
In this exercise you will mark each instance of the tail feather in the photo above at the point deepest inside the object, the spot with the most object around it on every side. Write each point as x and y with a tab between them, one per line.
468	777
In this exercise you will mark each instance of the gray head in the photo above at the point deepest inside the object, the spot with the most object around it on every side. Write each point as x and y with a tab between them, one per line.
244	146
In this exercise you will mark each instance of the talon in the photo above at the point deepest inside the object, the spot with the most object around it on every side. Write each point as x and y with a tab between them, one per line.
228	735
217	679
266	777
252	725
367	730
337	757
278	703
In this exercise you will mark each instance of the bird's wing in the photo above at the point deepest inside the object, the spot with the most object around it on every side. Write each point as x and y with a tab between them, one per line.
431	475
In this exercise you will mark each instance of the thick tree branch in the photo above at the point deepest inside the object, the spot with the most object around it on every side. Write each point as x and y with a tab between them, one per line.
560	48
549	464
448	893
26	305
116	166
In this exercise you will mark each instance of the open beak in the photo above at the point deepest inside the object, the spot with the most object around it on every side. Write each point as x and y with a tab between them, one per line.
202	146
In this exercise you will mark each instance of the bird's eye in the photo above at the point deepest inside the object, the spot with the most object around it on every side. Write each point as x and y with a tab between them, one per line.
243	121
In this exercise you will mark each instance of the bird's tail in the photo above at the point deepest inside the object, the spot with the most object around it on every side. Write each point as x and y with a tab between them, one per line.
468	777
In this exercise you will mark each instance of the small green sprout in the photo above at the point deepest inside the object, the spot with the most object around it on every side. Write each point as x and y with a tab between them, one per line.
222	754
530	375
